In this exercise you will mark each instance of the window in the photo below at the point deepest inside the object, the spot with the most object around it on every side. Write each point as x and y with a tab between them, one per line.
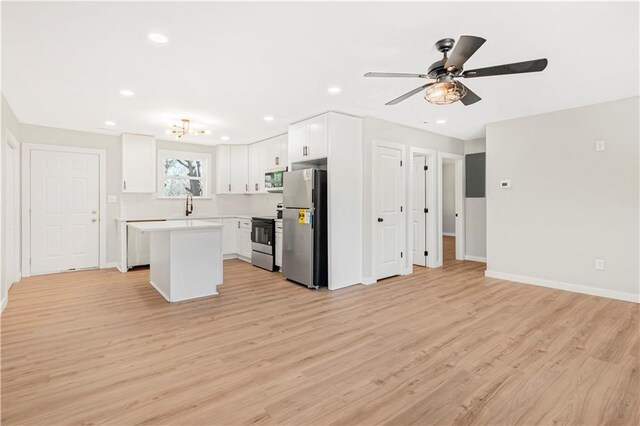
181	173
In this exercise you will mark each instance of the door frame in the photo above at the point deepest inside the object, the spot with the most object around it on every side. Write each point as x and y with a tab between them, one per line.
12	209
374	202
26	199
460	207
430	222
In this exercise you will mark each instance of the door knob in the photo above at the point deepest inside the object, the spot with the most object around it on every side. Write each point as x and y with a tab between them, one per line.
380	219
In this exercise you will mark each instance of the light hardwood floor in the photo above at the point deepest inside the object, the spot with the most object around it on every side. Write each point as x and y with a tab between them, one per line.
445	346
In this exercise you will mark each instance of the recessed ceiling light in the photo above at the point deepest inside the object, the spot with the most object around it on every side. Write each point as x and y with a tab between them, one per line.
158	38
127	93
225	138
441	121
334	90
268	117
109	123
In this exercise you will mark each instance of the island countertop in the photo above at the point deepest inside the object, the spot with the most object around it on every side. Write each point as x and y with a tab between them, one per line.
174	225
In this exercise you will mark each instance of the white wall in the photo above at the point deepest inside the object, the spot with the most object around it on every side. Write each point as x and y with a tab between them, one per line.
475	213
10	123
376	129
568	204
448	198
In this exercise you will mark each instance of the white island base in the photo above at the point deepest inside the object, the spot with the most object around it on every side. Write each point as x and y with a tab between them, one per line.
186	258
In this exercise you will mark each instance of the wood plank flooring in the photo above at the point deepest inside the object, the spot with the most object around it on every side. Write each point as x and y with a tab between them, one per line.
445	346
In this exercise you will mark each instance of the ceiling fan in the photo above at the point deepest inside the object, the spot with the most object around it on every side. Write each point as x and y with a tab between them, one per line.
446	89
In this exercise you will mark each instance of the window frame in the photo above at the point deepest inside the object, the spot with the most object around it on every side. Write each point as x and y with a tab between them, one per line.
204	158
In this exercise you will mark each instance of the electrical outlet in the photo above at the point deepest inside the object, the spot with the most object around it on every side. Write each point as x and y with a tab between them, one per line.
599	264
505	184
600	145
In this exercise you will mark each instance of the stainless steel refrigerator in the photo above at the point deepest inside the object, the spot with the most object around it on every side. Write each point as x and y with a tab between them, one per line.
304	222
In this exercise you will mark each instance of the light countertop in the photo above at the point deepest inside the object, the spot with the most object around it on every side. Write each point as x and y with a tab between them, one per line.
173	218
174	225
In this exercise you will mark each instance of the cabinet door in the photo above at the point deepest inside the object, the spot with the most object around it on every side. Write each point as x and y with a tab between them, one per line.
245	249
229	236
265	153
317	137
298	141
283	159
278	248
238	165
223	172
254	168
138	163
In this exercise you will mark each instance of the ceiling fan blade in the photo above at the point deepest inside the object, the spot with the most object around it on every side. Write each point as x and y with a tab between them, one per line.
470	97
465	47
515	68
394	74
408	94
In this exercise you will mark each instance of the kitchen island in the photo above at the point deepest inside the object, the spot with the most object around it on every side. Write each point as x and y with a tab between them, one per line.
186	258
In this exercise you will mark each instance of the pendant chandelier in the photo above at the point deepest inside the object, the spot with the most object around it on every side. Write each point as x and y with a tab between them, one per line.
184	128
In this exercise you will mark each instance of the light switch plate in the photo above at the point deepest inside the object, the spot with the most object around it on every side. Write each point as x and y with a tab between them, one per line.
600	146
112	199
505	184
599	264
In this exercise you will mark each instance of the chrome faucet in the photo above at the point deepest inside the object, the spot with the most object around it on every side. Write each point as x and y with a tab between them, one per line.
189	204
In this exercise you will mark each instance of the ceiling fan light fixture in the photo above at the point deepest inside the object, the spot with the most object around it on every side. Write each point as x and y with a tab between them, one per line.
445	92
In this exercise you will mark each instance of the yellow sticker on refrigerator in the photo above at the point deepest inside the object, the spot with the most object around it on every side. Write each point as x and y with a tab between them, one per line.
304	216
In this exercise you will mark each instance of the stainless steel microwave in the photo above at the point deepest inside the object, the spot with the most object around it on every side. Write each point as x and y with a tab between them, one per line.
273	179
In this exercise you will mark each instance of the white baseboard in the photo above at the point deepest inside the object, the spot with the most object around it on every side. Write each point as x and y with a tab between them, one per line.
3	303
475	258
109	265
575	288
369	280
449	234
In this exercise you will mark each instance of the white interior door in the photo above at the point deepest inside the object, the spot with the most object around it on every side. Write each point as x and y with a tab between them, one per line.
64	211
419	216
389	195
12	231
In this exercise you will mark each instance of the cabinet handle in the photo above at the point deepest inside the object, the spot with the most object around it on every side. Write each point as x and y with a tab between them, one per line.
238	224
125	185
229	187
304	151
256	186
246	187
277	161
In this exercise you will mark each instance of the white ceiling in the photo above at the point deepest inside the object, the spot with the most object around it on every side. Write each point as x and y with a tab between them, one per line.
228	64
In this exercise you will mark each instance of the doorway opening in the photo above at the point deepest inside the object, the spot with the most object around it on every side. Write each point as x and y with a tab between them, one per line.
451	208
421	232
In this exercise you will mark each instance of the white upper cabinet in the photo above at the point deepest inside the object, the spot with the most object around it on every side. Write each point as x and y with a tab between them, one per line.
223	171
239	165
138	163
308	139
232	169
255	177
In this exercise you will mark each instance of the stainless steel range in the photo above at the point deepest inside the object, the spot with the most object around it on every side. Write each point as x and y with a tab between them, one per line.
263	243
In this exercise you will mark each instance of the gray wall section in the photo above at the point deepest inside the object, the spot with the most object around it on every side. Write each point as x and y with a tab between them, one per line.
476	212
448	198
568	204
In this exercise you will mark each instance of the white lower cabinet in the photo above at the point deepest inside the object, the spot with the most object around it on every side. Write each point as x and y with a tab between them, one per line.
229	236
279	244
244	236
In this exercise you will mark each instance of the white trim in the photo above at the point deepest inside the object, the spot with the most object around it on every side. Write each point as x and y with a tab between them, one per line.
460	204
109	265
475	258
374	203
575	288
3	302
368	280
26	198
431	201
449	234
